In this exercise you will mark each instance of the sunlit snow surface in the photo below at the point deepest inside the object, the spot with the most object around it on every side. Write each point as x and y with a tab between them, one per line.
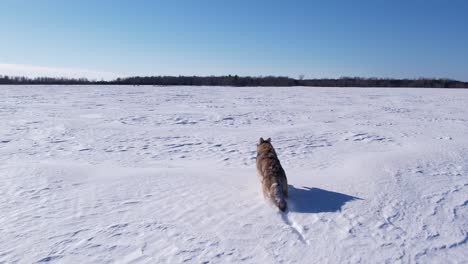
105	174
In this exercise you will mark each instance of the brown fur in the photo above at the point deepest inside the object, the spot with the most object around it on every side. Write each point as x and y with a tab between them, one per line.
272	175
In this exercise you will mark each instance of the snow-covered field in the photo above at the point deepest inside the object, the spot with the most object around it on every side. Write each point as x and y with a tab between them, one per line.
122	174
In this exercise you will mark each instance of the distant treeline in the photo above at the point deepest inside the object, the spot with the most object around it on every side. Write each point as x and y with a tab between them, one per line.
234	80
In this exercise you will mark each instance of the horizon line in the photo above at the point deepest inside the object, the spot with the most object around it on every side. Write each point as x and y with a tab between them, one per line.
29	78
34	71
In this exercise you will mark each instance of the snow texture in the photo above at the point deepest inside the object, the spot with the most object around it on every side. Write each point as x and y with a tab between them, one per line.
121	174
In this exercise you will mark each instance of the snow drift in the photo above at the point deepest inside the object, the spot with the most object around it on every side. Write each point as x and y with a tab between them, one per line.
167	175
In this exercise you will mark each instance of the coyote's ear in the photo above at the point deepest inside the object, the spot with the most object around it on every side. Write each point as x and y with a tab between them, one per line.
261	140
268	140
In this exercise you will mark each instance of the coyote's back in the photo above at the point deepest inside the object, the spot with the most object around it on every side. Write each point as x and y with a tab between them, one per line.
272	175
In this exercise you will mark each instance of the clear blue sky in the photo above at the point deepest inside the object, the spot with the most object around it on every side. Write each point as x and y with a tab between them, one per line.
412	38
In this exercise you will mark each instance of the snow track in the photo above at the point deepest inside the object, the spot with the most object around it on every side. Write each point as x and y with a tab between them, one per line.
119	174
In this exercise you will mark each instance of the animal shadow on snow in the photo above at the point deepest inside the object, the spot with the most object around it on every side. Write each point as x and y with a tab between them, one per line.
316	200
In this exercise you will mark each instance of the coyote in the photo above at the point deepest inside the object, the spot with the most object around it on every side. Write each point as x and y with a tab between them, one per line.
272	175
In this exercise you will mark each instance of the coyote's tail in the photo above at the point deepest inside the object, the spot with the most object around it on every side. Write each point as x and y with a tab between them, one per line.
277	196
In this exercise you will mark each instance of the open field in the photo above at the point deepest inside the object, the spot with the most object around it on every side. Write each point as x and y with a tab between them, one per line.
104	174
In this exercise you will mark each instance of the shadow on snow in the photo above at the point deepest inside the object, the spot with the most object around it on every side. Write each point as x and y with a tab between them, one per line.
316	200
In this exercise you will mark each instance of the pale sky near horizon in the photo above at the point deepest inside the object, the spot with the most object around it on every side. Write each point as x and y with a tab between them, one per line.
106	39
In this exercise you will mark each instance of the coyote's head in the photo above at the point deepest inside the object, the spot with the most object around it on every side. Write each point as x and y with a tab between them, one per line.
265	147
264	141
